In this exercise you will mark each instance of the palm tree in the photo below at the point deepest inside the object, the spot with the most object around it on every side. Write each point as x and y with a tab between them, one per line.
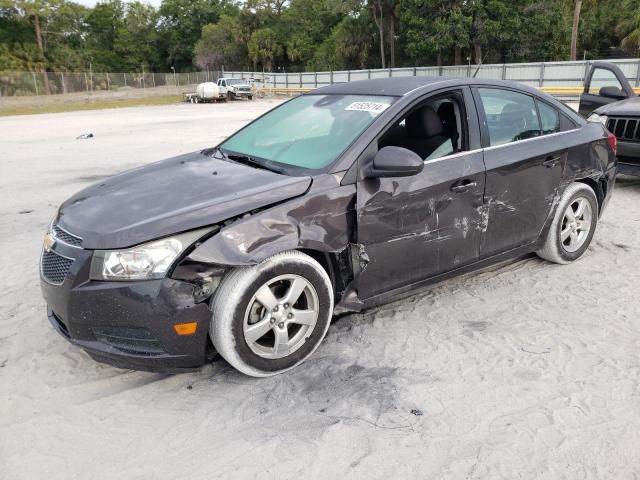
630	26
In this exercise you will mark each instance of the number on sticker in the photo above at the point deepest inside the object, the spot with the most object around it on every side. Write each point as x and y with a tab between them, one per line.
371	107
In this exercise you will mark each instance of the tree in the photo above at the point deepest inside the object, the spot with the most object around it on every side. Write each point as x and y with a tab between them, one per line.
264	47
136	39
630	26
38	12
181	23
221	44
574	29
378	13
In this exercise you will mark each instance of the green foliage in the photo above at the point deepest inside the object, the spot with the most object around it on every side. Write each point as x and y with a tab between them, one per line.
298	35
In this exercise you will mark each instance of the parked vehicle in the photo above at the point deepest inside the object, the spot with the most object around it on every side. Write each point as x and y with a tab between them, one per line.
608	98
208	92
236	88
337	200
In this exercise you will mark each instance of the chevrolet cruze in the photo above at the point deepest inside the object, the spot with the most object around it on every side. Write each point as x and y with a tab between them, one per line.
337	200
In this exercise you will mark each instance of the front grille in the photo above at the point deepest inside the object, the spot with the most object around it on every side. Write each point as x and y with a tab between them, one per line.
54	267
625	128
66	237
244	89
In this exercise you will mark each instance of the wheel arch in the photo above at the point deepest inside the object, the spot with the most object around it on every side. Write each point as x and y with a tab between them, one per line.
337	265
599	187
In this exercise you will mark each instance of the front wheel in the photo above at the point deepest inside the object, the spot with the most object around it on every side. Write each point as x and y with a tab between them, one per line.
573	225
270	317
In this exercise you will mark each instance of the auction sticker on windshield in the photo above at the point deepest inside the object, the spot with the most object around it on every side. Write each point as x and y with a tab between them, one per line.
372	107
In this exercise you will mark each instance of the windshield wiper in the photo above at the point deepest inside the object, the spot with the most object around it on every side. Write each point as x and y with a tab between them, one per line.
249	160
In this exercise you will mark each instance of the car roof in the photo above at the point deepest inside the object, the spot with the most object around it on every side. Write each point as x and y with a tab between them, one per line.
393	86
401	86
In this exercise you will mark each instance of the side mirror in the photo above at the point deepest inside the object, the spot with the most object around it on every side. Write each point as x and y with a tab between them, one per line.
396	162
612	92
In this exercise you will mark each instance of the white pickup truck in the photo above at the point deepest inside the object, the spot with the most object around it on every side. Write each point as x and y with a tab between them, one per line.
235	88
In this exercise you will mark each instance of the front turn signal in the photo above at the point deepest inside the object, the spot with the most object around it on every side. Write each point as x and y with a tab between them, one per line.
186	328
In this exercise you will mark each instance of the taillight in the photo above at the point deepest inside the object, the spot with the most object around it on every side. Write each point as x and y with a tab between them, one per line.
613	142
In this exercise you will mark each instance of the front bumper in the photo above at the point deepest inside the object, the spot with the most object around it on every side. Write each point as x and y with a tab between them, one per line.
628	158
629	150
128	324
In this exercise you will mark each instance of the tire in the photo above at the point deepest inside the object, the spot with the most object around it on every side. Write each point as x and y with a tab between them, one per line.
229	96
250	97
567	239
266	337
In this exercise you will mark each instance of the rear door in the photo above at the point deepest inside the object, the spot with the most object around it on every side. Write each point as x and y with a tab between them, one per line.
601	75
413	228
524	155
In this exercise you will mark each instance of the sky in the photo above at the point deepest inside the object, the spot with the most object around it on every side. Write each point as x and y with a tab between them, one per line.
91	3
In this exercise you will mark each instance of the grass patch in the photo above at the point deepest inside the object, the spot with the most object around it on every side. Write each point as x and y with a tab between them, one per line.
97	105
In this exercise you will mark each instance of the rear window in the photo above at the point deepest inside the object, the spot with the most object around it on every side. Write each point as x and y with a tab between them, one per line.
511	116
549	118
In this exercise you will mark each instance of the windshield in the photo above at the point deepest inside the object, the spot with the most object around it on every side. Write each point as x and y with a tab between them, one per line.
235	82
310	131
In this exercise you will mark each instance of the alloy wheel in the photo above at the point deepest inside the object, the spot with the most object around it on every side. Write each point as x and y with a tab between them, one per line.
576	224
280	316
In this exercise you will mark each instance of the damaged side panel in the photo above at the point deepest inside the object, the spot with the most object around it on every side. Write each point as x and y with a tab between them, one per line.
415	227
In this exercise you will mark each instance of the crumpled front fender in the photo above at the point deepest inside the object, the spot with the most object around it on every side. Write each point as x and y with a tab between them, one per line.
321	220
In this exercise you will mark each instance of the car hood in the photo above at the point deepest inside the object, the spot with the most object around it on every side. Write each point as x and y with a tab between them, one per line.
630	106
169	197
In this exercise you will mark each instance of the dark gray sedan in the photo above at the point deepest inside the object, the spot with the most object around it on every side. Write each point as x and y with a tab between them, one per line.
337	200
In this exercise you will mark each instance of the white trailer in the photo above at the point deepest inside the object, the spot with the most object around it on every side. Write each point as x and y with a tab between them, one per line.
207	92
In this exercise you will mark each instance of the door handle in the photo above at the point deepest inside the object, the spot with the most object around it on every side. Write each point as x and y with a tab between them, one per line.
463	186
551	161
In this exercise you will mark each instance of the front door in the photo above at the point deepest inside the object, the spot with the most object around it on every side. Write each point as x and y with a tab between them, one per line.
413	228
601	75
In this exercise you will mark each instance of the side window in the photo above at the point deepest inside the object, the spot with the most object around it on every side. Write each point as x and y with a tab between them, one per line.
510	116
224	84
549	117
603	77
434	129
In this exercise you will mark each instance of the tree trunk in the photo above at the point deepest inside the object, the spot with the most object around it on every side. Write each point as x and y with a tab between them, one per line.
477	48
439	59
477	45
574	30
392	40
45	78
380	24
457	56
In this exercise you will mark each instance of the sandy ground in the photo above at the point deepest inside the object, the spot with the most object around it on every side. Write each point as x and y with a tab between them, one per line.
528	370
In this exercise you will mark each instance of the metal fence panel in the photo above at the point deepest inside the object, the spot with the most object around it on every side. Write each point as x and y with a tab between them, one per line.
540	74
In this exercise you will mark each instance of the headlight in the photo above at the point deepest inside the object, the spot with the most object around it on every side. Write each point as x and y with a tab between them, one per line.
595	118
144	262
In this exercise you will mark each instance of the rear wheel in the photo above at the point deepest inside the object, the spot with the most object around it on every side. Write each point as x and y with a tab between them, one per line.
573	225
270	317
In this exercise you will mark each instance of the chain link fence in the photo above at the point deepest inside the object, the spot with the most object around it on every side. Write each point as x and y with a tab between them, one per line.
563	79
18	84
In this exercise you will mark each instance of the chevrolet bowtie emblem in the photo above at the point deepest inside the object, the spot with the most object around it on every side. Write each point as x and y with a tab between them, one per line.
49	241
